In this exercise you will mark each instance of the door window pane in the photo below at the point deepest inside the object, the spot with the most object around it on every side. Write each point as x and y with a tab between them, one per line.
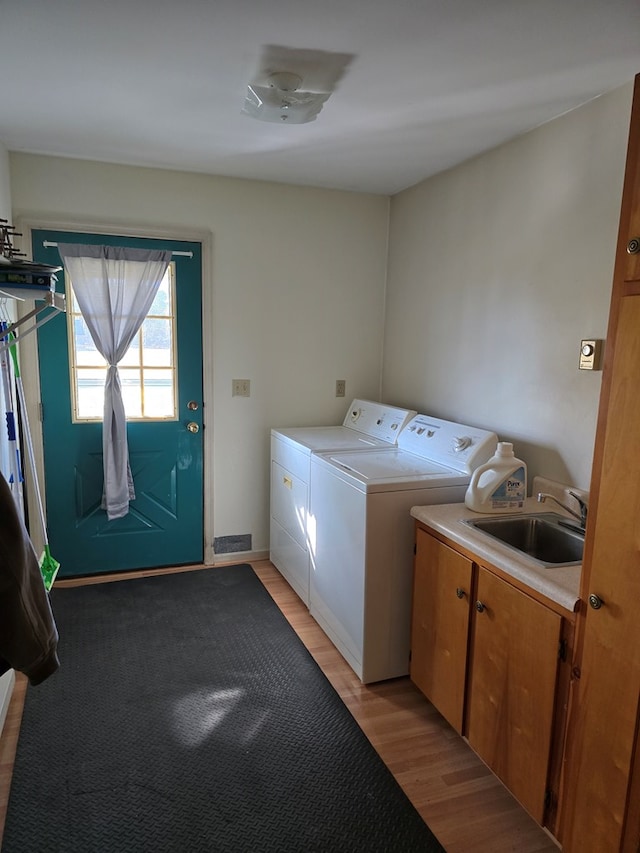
131	358
131	384
156	339
147	371
158	393
90	391
164	299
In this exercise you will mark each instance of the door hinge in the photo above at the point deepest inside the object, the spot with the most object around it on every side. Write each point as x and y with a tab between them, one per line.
562	650
41	412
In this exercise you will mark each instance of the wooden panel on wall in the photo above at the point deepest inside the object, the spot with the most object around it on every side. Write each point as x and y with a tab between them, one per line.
601	779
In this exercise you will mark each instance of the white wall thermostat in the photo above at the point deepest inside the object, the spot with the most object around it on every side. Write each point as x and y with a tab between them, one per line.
590	352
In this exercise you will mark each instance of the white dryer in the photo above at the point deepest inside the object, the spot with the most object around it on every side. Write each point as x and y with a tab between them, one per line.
362	550
367	425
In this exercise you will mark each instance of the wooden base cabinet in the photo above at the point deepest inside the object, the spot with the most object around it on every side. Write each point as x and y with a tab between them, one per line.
440	626
512	684
487	656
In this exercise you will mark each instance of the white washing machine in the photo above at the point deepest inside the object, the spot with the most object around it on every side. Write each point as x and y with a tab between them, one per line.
361	554
367	425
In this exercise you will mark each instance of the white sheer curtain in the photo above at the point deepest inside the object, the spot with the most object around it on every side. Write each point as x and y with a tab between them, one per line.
114	287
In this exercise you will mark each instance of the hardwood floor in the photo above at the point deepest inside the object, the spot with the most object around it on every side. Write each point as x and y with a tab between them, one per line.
465	805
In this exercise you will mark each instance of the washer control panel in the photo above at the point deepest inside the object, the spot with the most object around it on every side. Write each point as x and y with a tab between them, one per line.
377	419
447	443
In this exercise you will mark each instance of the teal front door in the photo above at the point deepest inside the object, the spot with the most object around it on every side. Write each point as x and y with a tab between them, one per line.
164	526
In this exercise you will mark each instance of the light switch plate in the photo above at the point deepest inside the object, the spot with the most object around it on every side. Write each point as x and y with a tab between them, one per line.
241	388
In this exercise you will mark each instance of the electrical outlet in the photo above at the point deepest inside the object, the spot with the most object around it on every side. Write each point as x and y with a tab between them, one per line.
341	387
240	388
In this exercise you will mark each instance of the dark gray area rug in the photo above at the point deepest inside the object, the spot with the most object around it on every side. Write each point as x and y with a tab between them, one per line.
187	716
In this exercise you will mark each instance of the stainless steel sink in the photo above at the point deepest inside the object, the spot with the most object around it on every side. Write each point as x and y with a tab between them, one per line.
548	538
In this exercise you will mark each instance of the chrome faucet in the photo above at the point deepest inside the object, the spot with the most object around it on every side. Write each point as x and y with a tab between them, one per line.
581	516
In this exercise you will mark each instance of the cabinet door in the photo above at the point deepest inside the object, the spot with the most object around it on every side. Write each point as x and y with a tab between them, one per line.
608	691
514	661
603	811
440	626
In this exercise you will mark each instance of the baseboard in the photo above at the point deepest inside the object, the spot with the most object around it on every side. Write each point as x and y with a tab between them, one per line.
239	557
7	682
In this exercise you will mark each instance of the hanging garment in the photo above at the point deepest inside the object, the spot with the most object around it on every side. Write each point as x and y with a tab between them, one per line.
28	632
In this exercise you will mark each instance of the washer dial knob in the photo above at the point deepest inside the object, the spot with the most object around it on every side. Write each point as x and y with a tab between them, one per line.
461	443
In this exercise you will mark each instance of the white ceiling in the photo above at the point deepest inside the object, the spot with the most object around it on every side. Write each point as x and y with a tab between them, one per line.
432	82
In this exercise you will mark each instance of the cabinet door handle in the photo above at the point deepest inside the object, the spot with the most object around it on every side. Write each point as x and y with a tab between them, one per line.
460	592
595	601
479	607
633	246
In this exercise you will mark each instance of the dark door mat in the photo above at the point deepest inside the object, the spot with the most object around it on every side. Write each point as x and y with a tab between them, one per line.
188	716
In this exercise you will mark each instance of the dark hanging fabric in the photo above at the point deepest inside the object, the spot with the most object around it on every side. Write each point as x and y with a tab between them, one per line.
28	632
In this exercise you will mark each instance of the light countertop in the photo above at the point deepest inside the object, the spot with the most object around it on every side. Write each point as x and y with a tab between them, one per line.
560	584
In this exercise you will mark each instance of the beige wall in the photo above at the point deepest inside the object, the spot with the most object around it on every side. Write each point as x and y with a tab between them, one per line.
7	680
497	270
8	308
294	300
5	187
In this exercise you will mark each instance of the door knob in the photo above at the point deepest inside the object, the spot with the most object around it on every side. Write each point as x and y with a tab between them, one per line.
193	427
595	601
192	406
633	246
479	607
460	592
